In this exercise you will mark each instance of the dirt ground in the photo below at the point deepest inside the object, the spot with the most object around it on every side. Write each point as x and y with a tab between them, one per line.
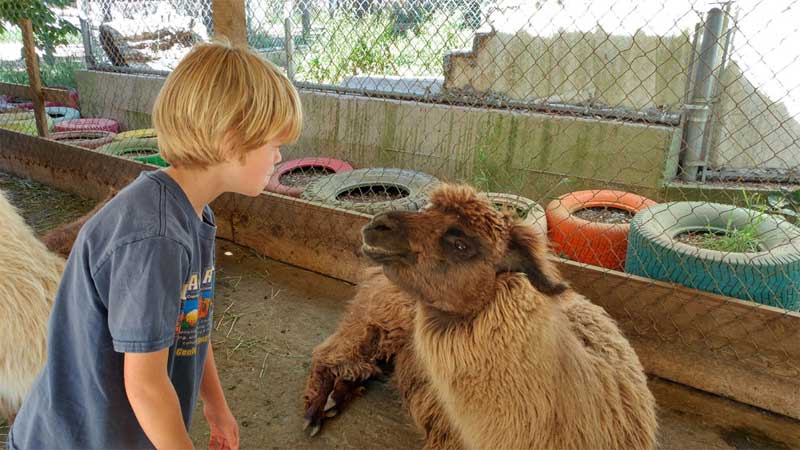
269	316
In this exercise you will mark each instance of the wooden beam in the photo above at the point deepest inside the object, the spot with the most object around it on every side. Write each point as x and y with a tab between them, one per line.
230	21
56	95
34	76
740	350
730	347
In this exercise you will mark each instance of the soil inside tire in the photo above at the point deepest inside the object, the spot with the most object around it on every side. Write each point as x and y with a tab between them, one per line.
605	214
138	152
81	137
301	176
708	240
372	194
517	212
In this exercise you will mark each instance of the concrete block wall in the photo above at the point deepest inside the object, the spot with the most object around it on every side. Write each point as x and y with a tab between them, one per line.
533	154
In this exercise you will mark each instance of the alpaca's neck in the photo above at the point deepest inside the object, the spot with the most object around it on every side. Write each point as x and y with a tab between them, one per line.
473	363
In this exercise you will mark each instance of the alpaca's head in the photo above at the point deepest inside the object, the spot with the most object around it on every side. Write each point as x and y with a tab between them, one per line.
450	253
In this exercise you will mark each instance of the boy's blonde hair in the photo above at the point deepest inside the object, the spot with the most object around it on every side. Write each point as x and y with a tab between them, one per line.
216	89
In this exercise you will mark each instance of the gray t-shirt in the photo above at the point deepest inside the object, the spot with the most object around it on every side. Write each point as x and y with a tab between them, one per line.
140	278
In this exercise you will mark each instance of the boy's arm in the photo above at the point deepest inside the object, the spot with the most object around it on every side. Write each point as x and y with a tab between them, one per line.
222	424
154	401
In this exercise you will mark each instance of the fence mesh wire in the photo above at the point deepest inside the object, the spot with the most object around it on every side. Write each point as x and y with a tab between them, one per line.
580	115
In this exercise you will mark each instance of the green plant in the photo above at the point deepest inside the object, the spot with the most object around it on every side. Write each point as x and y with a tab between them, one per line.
49	31
60	73
733	239
378	44
786	203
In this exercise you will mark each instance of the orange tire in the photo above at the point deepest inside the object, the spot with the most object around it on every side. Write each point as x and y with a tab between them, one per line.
597	243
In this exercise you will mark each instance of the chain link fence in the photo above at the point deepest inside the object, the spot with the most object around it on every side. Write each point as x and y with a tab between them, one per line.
653	139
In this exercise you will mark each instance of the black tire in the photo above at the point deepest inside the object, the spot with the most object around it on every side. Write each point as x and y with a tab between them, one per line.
415	185
770	276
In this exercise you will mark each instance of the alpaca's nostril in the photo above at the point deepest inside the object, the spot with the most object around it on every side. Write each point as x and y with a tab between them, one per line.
382	224
381	228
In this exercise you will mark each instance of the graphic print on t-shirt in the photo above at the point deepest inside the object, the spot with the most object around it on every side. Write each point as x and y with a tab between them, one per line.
194	326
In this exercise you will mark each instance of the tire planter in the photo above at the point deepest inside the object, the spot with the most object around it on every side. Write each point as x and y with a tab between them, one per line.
138	149
19	103
534	214
140	133
85	139
332	190
298	165
23	122
89	124
62	113
770	276
596	243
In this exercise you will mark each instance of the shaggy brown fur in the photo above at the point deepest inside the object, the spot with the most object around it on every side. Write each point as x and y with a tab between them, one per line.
375	328
499	352
60	240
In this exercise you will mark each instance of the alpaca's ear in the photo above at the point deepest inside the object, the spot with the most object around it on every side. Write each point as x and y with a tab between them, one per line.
527	253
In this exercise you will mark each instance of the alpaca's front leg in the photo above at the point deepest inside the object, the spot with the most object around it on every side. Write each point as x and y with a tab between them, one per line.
375	326
339	366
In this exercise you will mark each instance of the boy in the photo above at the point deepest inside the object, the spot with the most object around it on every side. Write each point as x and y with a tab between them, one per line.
128	338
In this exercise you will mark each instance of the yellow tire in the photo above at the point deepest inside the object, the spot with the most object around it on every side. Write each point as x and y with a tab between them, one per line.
135	134
23	122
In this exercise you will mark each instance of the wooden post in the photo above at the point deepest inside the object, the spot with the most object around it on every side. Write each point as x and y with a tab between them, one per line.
289	40
32	63
230	21
86	33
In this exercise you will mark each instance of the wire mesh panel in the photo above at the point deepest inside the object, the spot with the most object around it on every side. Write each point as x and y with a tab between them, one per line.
657	141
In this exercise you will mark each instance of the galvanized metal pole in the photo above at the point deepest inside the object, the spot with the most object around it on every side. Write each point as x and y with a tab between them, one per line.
715	97
698	109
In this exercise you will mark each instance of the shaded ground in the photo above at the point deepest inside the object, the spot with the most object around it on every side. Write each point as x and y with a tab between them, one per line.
269	316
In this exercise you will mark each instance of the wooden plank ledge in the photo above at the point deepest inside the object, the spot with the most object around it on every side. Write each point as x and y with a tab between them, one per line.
56	95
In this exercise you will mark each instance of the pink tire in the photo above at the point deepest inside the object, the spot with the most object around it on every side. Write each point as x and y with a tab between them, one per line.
86	139
89	124
297	165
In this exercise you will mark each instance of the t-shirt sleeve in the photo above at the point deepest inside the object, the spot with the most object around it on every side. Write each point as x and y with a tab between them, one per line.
144	294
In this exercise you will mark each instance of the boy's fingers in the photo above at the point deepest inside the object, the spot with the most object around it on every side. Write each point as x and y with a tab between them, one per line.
216	443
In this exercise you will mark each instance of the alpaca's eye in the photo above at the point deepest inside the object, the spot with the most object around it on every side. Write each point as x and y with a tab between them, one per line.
460	245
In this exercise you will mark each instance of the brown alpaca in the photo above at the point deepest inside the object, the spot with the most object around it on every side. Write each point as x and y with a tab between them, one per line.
60	240
492	348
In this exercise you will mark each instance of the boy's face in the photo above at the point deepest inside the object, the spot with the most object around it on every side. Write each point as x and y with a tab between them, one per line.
256	169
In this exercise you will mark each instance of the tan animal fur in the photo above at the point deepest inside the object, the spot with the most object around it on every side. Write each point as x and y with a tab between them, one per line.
29	277
500	352
30	271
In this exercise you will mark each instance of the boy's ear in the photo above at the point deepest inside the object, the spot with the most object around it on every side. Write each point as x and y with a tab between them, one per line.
527	253
228	144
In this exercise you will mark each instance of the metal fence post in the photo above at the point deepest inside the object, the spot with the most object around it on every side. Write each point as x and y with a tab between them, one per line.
698	110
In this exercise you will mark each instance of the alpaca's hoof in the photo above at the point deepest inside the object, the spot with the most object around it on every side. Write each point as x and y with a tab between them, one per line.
329	404
342	393
314	429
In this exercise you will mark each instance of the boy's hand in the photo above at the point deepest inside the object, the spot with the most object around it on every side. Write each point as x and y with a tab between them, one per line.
224	430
